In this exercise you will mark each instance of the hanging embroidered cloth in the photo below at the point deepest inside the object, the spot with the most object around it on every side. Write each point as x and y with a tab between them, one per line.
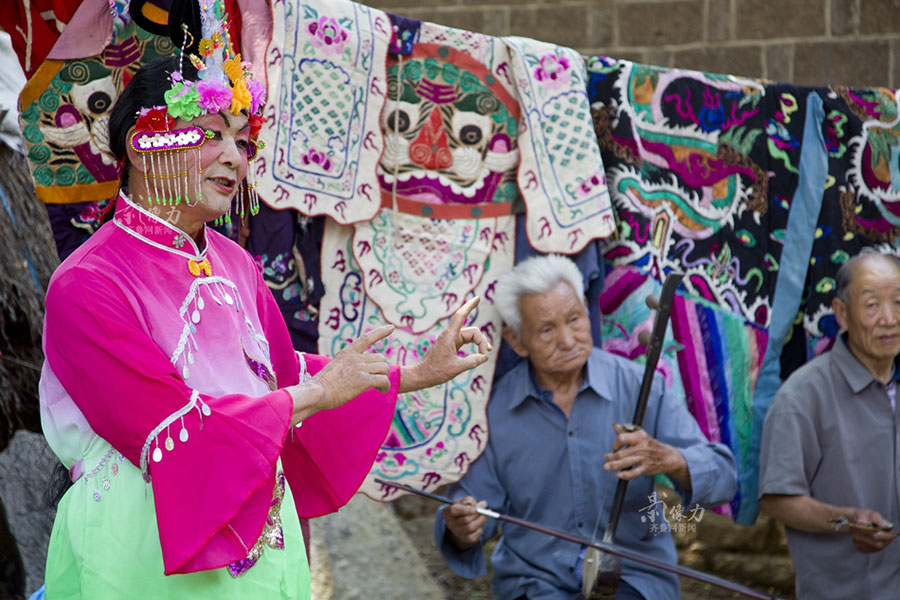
447	177
861	202
561	175
689	174
327	86
444	233
65	110
715	176
435	433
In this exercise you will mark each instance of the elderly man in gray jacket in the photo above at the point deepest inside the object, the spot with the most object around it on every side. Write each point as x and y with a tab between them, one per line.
830	449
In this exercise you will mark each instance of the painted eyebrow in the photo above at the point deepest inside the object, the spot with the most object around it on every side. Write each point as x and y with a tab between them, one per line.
228	121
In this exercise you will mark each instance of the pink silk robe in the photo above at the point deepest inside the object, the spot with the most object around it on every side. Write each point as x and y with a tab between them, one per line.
148	355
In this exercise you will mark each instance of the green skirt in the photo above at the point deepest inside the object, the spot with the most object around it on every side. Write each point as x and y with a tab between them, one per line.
105	544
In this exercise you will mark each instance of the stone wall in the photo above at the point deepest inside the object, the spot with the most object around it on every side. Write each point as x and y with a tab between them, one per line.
808	42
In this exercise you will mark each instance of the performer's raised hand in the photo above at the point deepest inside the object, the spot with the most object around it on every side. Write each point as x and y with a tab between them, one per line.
444	361
348	374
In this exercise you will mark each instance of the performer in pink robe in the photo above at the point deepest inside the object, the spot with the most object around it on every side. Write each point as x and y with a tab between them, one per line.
171	391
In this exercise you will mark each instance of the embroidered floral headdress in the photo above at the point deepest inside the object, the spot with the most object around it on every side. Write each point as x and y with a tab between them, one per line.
225	83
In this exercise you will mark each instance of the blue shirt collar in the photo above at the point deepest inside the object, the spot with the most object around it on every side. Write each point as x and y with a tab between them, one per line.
526	384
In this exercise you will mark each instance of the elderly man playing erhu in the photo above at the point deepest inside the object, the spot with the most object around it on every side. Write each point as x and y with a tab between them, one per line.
552	418
829	453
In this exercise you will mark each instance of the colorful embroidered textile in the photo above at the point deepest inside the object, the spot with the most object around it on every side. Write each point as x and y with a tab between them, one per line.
862	192
711	358
444	233
327	86
685	156
65	110
799	236
435	433
561	174
485	49
705	170
193	339
451	129
449	170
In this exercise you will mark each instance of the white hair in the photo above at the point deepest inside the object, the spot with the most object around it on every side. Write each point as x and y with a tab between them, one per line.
535	275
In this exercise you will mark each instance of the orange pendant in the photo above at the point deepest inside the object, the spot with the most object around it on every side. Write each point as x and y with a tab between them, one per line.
198	268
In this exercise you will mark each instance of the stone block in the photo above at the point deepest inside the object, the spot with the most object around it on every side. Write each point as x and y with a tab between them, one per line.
490	21
391	567
565	24
761	20
510	3
601	25
779	62
399	6
879	16
719	21
844	17
721	534
842	63
27	469
692	558
658	58
745	61
759	570
894	81
660	23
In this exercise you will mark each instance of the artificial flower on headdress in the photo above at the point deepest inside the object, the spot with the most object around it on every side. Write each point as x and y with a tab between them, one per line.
183	101
256	121
214	95
224	82
208	47
198	64
234	69
154	119
240	97
257	96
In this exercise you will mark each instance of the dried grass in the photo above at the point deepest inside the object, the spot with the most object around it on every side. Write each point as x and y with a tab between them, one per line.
27	259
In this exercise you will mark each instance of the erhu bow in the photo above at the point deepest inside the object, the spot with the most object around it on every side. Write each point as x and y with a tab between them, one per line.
612	549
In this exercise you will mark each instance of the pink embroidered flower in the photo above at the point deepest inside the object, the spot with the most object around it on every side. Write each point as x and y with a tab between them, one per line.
327	35
554	71
214	95
319	159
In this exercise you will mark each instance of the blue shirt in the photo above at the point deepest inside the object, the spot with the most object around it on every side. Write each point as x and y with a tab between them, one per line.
545	468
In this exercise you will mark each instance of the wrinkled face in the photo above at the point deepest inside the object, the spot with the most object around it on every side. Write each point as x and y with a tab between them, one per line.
556	332
223	161
871	317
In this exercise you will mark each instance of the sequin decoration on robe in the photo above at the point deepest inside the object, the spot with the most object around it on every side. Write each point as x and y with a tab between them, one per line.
148	356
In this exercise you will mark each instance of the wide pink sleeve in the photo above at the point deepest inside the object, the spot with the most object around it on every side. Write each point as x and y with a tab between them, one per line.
211	491
327	458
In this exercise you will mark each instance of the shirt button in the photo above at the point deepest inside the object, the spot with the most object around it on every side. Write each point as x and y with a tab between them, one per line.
580	524
571	433
571	569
